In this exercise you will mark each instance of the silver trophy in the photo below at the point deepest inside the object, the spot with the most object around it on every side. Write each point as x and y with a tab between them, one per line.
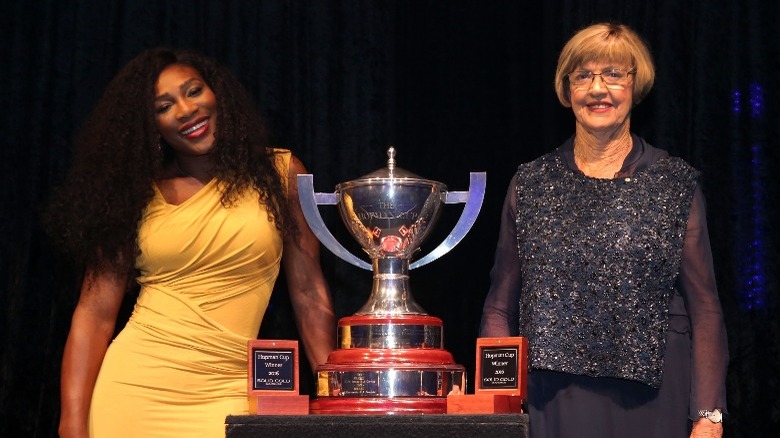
390	356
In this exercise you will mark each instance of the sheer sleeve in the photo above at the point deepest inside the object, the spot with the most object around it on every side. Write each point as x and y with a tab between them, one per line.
500	312
709	345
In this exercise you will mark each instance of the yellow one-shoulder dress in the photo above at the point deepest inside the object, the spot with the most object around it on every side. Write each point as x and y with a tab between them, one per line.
179	366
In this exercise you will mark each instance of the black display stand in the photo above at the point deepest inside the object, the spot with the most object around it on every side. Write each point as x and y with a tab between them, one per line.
377	426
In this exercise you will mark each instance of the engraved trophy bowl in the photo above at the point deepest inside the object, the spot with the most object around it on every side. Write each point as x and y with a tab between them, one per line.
390	212
390	355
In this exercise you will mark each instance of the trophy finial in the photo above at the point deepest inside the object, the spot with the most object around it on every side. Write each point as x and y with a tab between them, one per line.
391	159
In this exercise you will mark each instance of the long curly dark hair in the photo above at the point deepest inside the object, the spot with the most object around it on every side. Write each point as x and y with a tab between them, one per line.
94	215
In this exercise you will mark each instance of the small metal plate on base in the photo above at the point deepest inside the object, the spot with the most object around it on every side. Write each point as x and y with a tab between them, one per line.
420	381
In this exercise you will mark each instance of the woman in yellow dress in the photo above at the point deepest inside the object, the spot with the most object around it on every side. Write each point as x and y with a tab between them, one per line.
173	185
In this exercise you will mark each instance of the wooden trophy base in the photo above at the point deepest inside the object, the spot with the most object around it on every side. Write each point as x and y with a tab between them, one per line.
484	404
273	386
279	405
502	367
378	405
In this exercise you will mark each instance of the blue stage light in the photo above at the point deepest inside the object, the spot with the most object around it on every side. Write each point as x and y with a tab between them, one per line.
751	224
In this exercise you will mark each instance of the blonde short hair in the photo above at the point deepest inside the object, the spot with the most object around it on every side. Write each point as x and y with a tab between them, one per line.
605	42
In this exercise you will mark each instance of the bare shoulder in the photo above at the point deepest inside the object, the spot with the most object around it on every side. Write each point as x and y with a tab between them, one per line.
296	166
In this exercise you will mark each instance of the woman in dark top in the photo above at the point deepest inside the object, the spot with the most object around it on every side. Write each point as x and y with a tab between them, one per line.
603	262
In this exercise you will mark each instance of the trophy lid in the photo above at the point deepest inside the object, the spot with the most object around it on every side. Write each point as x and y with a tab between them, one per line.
391	173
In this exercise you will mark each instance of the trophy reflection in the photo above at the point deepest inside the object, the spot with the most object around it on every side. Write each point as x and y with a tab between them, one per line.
390	356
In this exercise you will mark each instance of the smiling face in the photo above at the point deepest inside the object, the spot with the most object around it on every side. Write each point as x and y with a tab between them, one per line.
185	110
599	108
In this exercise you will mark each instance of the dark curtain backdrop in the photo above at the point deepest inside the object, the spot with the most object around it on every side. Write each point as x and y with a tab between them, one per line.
455	86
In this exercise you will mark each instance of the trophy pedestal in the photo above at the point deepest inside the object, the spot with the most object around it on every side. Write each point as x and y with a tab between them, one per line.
388	364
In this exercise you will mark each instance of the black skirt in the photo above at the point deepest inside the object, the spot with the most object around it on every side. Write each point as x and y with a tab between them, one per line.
562	405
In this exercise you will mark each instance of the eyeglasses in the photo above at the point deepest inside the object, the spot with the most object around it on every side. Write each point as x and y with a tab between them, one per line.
613	78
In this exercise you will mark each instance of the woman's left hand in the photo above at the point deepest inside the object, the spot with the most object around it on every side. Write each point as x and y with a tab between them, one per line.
706	429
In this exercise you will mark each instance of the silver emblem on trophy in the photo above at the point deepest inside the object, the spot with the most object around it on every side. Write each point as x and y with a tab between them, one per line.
390	355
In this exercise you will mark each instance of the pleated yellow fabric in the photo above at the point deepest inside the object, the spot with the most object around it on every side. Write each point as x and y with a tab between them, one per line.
179	366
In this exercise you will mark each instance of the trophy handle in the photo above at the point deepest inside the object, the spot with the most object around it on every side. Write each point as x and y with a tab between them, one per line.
473	199
309	201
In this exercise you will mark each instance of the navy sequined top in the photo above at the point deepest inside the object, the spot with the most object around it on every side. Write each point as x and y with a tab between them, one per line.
561	330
